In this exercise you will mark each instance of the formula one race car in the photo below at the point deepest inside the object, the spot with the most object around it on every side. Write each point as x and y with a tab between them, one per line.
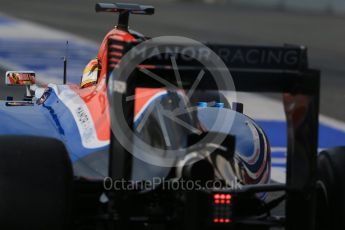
101	155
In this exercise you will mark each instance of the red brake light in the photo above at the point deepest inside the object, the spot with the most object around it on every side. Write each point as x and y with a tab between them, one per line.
221	208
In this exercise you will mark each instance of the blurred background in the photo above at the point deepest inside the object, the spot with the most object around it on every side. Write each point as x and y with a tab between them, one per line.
318	24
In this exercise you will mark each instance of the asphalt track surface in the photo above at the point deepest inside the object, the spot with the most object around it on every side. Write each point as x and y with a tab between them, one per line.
226	23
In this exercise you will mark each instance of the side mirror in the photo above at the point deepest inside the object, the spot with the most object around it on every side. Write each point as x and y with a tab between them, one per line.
25	78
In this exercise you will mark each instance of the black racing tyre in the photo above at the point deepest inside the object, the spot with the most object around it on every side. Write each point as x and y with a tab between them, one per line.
35	183
330	211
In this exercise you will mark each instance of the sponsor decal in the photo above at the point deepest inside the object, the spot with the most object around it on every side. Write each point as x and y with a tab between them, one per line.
82	116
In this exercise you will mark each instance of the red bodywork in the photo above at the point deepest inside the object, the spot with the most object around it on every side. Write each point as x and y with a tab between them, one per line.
95	96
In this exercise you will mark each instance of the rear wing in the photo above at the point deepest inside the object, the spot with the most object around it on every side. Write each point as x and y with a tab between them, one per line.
288	57
253	69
